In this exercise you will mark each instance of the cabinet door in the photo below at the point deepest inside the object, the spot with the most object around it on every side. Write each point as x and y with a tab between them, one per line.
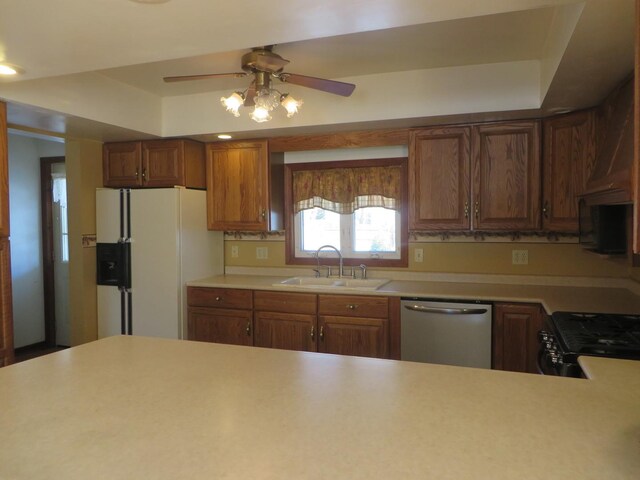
439	165
361	336
162	163
220	325
289	331
506	176
569	155
238	186
4	173
122	164
6	317
515	336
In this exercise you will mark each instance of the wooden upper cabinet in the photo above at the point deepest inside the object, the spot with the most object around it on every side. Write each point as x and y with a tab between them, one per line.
569	155
122	164
238	186
506	176
439	165
154	163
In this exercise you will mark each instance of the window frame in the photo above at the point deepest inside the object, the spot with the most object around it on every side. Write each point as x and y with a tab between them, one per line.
290	221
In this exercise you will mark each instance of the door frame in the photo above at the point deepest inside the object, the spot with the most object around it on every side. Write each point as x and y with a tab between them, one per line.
46	200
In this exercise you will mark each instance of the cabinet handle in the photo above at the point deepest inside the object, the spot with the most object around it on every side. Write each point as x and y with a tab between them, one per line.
263	214
248	329
545	209
313	333
322	333
477	210
466	209
144	174
137	173
218	299
352	306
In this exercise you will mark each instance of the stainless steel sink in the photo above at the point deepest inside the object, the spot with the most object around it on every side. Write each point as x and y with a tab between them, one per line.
333	283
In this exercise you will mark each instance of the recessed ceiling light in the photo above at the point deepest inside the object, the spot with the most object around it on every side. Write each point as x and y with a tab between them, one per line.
6	69
224	136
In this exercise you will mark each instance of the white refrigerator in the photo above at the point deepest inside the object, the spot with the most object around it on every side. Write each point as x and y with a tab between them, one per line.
149	243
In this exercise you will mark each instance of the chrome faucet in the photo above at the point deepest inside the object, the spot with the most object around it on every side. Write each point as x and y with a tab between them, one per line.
317	255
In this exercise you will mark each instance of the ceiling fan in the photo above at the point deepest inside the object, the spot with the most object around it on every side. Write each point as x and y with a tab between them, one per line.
265	65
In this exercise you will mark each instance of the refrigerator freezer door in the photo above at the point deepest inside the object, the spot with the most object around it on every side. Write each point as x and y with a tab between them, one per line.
155	269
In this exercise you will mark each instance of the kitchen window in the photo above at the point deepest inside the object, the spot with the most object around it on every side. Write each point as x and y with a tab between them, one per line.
357	206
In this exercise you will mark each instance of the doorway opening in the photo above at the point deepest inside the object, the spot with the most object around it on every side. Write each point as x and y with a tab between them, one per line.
55	251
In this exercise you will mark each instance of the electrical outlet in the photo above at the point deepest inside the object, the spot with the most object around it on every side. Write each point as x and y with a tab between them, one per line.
234	251
520	257
262	253
418	255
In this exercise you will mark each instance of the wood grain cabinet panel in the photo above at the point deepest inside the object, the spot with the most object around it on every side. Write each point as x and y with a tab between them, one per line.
353	306
361	336
220	325
439	166
122	164
238	186
506	176
220	297
289	331
153	164
515	336
569	155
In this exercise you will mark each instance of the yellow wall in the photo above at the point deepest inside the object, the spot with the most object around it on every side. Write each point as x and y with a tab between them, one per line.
476	257
84	175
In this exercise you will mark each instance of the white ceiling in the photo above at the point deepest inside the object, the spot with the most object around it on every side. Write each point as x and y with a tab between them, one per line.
94	68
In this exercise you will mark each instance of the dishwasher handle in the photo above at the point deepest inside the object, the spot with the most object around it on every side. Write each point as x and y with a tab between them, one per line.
446	311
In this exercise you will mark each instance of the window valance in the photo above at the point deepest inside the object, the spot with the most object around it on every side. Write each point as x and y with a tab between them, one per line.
344	190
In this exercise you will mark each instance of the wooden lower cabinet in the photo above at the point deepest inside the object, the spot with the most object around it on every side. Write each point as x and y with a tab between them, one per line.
220	315
515	336
353	325
364	337
341	324
220	325
288	331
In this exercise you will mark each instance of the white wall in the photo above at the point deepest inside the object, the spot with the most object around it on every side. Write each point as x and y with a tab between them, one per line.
26	235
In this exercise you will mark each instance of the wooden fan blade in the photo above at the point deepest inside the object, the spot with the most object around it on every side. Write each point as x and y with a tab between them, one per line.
331	86
201	77
249	96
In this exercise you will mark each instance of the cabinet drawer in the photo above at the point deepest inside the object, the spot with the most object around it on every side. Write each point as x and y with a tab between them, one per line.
353	306
285	302
220	297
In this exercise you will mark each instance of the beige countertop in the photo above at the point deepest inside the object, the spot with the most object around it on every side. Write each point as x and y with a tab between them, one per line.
553	298
141	408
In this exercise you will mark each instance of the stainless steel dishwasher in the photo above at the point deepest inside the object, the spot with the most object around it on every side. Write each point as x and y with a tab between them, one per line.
445	332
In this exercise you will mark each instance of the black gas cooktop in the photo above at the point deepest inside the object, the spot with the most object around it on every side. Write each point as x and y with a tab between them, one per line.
608	335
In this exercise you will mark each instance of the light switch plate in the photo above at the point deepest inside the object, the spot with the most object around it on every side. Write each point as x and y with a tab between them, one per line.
234	251
418	255
262	253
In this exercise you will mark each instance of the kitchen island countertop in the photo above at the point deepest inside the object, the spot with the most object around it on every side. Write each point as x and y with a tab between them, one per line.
553	298
135	407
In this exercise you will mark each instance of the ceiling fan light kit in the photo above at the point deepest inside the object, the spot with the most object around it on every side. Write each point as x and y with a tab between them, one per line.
264	65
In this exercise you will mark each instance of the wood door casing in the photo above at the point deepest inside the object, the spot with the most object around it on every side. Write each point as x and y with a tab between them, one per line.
360	336
238	186
439	166
288	331
506	176
515	336
220	325
122	164
6	314
4	172
569	156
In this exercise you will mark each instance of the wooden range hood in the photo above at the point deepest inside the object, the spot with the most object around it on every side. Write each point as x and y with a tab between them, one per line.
610	181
